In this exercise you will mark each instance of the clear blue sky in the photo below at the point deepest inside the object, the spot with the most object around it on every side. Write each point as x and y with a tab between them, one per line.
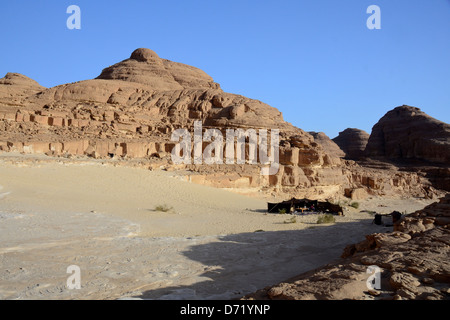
314	60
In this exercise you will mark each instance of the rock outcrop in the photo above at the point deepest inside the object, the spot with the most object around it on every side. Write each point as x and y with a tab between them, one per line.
408	134
328	145
16	85
146	67
131	110
412	264
353	142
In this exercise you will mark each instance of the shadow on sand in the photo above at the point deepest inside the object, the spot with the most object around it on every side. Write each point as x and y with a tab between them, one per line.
239	264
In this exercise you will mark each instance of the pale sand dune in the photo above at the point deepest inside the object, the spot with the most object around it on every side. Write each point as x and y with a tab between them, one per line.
101	218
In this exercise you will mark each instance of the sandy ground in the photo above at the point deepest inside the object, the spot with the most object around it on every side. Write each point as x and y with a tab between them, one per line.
213	244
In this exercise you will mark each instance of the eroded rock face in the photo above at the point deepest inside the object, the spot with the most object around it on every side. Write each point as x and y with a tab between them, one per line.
353	142
328	145
412	260
131	110
16	85
146	67
407	133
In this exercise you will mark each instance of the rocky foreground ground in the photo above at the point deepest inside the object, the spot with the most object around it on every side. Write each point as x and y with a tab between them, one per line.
413	262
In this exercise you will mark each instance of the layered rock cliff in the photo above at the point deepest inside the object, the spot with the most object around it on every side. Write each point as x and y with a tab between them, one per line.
132	108
353	142
328	145
409	134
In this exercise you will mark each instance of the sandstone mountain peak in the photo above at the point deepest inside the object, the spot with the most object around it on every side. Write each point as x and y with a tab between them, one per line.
144	55
353	142
407	133
145	67
328	145
12	78
15	85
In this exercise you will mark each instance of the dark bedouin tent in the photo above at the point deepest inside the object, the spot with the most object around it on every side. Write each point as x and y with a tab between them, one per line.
294	204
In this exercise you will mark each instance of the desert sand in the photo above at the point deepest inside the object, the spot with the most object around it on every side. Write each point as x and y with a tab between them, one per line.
100	215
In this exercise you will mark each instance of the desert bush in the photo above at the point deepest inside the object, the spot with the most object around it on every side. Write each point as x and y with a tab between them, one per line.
291	220
163	208
282	210
326	218
355	205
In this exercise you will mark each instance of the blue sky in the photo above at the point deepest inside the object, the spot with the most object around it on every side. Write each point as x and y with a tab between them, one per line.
314	60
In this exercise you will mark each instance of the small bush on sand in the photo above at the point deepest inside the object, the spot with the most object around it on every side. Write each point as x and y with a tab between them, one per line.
291	220
163	208
282	211
326	218
355	205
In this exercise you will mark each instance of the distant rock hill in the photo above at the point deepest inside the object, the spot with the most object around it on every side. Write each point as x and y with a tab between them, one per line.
407	133
328	145
146	67
353	142
16	85
132	108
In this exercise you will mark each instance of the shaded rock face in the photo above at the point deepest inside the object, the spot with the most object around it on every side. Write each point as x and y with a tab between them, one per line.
407	133
412	262
353	142
328	145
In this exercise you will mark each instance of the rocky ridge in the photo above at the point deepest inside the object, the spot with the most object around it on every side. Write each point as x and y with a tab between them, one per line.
407	133
131	109
328	145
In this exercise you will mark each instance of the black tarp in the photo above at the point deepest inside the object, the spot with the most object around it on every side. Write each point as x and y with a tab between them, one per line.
296	204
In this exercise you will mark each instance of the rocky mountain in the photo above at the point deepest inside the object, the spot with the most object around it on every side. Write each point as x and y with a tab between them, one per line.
132	108
353	142
411	140
145	67
15	85
408	134
328	145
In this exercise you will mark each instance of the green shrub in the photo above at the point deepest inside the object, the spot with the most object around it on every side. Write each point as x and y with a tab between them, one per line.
291	220
163	208
282	210
326	218
355	205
